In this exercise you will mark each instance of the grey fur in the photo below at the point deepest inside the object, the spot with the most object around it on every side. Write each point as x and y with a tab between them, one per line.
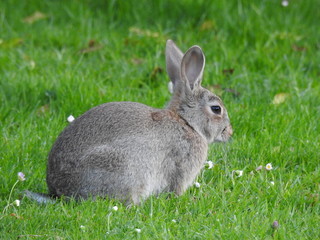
39	197
130	151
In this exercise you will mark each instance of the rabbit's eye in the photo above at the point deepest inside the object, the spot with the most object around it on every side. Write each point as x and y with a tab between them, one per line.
216	109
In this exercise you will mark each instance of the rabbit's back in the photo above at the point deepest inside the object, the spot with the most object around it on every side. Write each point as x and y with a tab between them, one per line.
102	124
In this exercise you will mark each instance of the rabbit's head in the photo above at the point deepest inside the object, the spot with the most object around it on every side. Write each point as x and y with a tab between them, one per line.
201	109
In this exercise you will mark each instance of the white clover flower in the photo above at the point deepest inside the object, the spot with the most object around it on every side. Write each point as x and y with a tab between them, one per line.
272	182
269	166
170	87
173	220
115	208
197	185
70	119
285	3
82	227
209	164
17	203
138	230
239	173
21	176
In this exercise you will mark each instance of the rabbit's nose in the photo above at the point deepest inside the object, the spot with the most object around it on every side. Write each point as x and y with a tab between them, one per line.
229	130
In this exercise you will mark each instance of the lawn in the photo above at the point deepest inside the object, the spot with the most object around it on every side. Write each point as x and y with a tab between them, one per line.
61	58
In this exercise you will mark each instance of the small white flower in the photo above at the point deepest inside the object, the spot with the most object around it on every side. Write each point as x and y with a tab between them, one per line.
70	119
170	87
82	227
272	182
239	173
17	203
21	176
285	3
209	164
138	230
269	167
197	185
173	220
115	208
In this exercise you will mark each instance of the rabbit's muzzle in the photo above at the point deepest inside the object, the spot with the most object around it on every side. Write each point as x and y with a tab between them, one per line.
228	130
225	134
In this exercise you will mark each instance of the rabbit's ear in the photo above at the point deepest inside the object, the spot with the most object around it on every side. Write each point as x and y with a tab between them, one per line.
192	66
173	61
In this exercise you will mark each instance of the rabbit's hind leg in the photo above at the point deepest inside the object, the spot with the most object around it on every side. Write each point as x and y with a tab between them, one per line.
106	173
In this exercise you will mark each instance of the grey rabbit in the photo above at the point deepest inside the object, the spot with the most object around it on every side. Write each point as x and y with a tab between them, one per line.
129	151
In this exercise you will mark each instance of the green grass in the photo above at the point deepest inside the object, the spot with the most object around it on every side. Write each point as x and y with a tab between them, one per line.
272	49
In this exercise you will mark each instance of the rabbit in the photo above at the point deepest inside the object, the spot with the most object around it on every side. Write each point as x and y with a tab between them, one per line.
129	151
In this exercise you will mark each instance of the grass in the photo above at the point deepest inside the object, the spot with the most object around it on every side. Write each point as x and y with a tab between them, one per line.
255	50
